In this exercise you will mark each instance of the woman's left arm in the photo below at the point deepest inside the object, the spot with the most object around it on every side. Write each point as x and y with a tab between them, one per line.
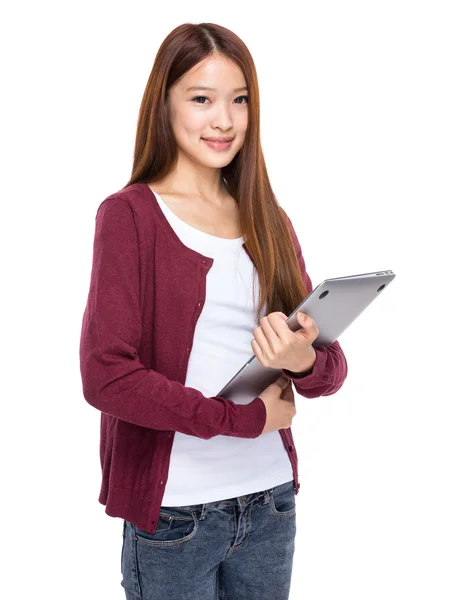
329	371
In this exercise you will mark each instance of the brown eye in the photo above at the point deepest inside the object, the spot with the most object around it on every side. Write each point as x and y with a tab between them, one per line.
206	98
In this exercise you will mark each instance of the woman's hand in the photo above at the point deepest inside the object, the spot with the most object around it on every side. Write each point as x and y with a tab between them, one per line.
277	347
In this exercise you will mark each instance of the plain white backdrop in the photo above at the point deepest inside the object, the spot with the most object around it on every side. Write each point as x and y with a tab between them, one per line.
366	128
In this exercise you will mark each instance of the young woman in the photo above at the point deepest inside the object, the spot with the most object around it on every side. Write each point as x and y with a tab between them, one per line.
195	268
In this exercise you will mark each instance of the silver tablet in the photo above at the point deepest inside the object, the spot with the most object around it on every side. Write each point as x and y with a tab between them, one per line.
334	304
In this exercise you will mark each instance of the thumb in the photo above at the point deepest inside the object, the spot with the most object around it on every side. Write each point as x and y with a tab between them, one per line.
302	318
283	381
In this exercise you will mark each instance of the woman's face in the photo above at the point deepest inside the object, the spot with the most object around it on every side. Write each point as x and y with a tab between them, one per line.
200	113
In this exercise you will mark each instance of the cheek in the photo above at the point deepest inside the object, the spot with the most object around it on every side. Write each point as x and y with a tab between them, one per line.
241	130
242	122
188	126
194	123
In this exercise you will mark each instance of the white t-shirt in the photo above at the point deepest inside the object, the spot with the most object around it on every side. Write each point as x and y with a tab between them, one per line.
222	467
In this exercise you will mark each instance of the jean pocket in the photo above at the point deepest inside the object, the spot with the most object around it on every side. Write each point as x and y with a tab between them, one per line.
175	526
283	504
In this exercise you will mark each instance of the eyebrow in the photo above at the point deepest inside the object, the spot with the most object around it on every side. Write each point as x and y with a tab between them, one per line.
201	87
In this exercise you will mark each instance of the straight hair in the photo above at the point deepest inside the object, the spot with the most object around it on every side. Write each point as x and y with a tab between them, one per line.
267	229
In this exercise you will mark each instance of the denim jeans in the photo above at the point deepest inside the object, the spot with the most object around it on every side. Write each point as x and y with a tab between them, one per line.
236	549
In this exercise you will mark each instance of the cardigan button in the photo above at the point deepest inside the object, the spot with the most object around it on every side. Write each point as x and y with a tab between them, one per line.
291	447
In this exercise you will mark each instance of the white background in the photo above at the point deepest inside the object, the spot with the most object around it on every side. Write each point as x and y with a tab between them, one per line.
365	117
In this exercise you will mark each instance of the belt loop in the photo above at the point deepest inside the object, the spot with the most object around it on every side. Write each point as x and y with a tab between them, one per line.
203	512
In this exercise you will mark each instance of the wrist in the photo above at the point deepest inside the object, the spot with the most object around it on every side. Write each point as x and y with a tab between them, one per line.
306	369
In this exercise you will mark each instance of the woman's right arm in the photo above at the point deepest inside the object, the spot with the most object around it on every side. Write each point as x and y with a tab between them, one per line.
114	379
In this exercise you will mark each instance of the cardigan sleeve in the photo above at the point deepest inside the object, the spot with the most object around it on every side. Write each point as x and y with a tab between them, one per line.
330	367
114	379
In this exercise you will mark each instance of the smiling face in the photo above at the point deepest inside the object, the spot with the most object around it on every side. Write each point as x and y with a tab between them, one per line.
217	113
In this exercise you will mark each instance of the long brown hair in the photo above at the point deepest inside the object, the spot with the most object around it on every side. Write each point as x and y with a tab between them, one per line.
264	224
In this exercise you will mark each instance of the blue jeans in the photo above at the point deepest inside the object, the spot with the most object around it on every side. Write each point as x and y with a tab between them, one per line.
236	549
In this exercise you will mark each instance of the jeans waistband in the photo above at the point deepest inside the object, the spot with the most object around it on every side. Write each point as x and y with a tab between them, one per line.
240	501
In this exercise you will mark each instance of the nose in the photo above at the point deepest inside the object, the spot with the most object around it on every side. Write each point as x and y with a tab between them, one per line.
222	119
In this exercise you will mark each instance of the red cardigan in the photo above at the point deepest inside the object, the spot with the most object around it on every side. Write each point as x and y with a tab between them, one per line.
133	360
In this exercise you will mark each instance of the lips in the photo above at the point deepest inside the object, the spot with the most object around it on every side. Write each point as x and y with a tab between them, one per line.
218	146
219	140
